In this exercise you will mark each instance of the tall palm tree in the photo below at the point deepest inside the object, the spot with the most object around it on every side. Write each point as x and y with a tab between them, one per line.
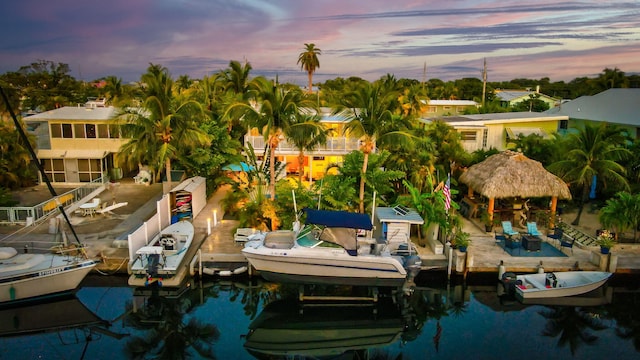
371	117
306	133
275	109
173	122
308	60
593	151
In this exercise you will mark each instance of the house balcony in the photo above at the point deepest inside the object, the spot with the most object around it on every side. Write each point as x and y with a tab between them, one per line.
334	146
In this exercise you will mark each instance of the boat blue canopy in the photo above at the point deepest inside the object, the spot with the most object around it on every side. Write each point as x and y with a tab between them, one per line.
344	219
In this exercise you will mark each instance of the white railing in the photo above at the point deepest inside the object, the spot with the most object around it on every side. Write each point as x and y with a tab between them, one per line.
22	215
333	146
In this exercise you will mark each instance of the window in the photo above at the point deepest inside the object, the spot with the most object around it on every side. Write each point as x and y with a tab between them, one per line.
485	136
564	124
468	135
54	169
90	130
114	132
431	109
446	108
318	158
88	169
79	130
61	131
460	109
103	131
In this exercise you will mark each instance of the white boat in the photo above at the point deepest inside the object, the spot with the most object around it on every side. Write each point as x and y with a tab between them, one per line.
284	330
558	284
163	256
26	276
328	250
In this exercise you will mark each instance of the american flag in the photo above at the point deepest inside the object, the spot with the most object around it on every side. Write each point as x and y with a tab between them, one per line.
447	194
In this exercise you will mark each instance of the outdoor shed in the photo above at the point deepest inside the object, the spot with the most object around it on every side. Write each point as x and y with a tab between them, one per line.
393	224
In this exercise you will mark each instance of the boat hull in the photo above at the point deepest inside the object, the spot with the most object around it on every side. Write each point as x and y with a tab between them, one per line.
569	283
325	267
44	282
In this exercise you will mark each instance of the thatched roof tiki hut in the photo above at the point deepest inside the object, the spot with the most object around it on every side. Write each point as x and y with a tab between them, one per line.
510	174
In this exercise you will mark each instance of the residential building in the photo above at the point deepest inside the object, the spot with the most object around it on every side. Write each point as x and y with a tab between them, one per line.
485	131
315	162
448	107
77	144
615	106
509	98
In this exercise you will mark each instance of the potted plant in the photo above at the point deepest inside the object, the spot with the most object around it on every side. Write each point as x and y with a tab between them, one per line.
461	240
606	241
486	219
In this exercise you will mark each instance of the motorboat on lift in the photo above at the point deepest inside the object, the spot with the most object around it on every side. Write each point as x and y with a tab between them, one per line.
329	250
163	256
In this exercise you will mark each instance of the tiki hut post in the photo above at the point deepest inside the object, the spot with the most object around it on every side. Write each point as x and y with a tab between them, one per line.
470	192
552	217
490	208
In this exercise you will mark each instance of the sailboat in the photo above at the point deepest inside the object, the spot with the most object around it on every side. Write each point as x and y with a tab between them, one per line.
25	276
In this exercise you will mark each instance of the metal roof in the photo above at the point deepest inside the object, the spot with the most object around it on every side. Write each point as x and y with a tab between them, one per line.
75	113
617	106
389	214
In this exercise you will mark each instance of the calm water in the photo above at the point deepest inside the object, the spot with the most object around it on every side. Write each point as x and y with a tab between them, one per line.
243	320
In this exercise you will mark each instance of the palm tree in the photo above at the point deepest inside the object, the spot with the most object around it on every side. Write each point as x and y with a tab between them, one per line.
593	151
306	133
172	121
622	213
275	109
571	326
370	113
308	60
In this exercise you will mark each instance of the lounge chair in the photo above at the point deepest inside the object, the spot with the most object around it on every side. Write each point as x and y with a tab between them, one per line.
532	229
507	229
568	243
558	234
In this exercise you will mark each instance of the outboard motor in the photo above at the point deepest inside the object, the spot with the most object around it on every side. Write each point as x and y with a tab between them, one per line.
509	283
413	264
152	265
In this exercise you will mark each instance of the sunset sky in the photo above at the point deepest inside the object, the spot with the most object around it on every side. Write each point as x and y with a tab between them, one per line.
561	40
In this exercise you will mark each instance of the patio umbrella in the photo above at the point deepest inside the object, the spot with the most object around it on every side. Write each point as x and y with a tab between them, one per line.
511	174
238	167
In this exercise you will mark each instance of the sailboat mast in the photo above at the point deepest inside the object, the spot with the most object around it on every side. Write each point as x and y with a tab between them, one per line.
35	159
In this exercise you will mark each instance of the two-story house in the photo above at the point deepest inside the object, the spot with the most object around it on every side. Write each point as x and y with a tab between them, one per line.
315	162
77	144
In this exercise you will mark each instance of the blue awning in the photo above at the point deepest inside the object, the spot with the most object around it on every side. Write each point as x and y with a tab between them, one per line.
343	219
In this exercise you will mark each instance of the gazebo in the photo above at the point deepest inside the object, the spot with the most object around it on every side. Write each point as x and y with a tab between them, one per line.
510	174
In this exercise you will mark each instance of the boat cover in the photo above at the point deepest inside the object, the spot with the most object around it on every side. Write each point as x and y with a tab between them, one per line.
345	219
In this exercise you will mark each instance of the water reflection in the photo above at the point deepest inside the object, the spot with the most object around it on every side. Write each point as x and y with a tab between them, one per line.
246	320
165	334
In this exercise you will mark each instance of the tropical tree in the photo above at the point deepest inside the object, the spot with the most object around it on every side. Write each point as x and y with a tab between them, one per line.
306	133
275	109
592	151
171	122
622	213
308	60
371	118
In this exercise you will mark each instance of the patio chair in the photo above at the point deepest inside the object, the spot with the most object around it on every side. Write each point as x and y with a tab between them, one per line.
558	234
568	244
507	229
532	229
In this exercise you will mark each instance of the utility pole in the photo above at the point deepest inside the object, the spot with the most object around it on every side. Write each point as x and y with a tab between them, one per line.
484	82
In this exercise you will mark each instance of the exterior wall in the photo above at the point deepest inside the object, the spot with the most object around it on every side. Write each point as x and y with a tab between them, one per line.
444	110
496	133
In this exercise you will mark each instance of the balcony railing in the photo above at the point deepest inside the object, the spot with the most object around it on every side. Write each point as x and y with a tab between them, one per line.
333	146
